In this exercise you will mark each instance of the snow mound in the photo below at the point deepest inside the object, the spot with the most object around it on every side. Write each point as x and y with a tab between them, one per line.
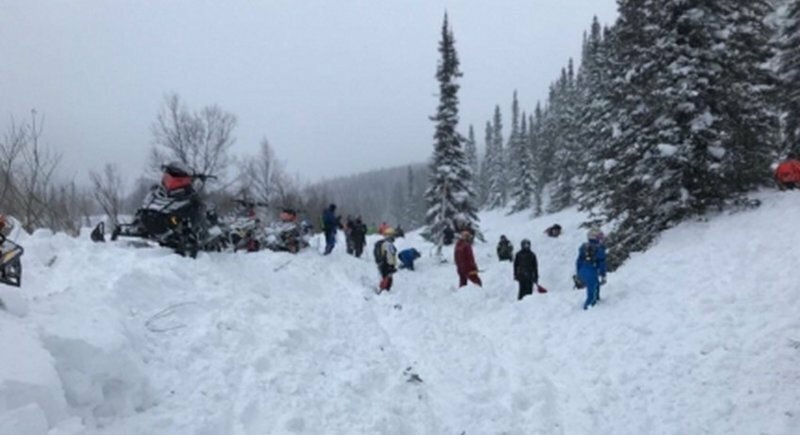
698	335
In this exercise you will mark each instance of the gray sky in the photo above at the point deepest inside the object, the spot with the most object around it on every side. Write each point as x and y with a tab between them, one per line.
336	86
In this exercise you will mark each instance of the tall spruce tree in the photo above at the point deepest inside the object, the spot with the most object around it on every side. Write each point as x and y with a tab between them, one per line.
567	158
524	186
790	76
534	144
486	165
450	194
497	186
472	153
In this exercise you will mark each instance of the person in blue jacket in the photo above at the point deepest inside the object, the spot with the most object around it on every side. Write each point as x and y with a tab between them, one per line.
407	257
591	266
330	223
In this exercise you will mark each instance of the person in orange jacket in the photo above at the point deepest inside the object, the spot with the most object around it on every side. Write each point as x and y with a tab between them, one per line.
787	175
465	261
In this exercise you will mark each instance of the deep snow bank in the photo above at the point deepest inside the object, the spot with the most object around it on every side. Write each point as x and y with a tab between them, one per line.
698	335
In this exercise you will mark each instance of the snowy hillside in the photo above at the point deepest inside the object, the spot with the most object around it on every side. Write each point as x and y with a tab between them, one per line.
701	334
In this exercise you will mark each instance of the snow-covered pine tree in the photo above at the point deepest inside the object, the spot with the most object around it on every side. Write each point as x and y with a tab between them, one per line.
486	165
534	146
410	211
790	75
567	153
496	190
595	121
472	153
624	190
523	188
450	192
513	146
744	95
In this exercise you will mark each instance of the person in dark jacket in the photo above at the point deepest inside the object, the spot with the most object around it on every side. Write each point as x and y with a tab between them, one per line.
358	234
526	269
505	250
591	266
330	223
448	235
465	261
407	258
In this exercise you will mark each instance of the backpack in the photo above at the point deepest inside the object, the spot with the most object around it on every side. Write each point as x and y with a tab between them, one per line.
589	253
377	252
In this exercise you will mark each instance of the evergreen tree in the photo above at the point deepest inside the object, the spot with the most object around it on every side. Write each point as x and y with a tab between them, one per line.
790	75
486	164
450	193
524	185
411	215
567	158
472	153
496	191
534	144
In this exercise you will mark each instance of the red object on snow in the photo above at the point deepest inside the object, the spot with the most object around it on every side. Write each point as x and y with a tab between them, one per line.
540	289
172	182
788	172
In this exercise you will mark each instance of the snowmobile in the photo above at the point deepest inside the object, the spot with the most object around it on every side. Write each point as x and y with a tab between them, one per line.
174	214
10	264
244	230
287	234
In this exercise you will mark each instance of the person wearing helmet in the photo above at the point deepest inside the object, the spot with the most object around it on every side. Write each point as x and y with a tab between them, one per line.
386	257
526	269
465	261
591	266
505	250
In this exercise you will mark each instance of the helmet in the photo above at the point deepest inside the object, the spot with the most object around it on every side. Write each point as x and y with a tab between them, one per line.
526	244
466	235
595	234
388	232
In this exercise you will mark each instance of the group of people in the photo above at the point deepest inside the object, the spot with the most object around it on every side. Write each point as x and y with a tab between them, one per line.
590	266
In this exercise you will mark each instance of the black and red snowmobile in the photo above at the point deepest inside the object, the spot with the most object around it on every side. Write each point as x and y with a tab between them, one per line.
174	214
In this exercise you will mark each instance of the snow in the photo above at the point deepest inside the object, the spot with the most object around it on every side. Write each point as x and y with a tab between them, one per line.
698	335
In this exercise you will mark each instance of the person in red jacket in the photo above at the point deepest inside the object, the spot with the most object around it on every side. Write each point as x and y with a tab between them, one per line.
465	261
788	173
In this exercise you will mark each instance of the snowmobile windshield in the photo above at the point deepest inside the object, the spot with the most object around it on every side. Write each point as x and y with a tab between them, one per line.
173	182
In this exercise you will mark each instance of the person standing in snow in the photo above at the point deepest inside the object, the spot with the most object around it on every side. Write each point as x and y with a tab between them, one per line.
348	235
465	261
407	258
787	175
386	257
505	250
526	269
359	236
330	223
448	235
591	266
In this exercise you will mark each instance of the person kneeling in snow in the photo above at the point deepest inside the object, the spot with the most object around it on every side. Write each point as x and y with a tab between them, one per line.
386	258
407	258
526	269
505	250
591	266
465	261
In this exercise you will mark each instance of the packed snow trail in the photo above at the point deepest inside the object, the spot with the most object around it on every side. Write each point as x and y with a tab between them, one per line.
698	335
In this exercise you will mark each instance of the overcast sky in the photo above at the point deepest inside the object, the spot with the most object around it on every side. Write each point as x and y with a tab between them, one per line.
337	86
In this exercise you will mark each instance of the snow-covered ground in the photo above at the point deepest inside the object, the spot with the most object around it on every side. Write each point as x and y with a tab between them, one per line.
701	334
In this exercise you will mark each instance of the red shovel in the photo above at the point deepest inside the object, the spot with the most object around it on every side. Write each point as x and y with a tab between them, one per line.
540	289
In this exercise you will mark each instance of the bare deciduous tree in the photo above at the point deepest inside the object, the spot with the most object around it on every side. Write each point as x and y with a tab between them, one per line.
108	191
200	140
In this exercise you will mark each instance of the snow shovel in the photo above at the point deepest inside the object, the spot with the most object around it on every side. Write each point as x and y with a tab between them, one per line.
540	289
